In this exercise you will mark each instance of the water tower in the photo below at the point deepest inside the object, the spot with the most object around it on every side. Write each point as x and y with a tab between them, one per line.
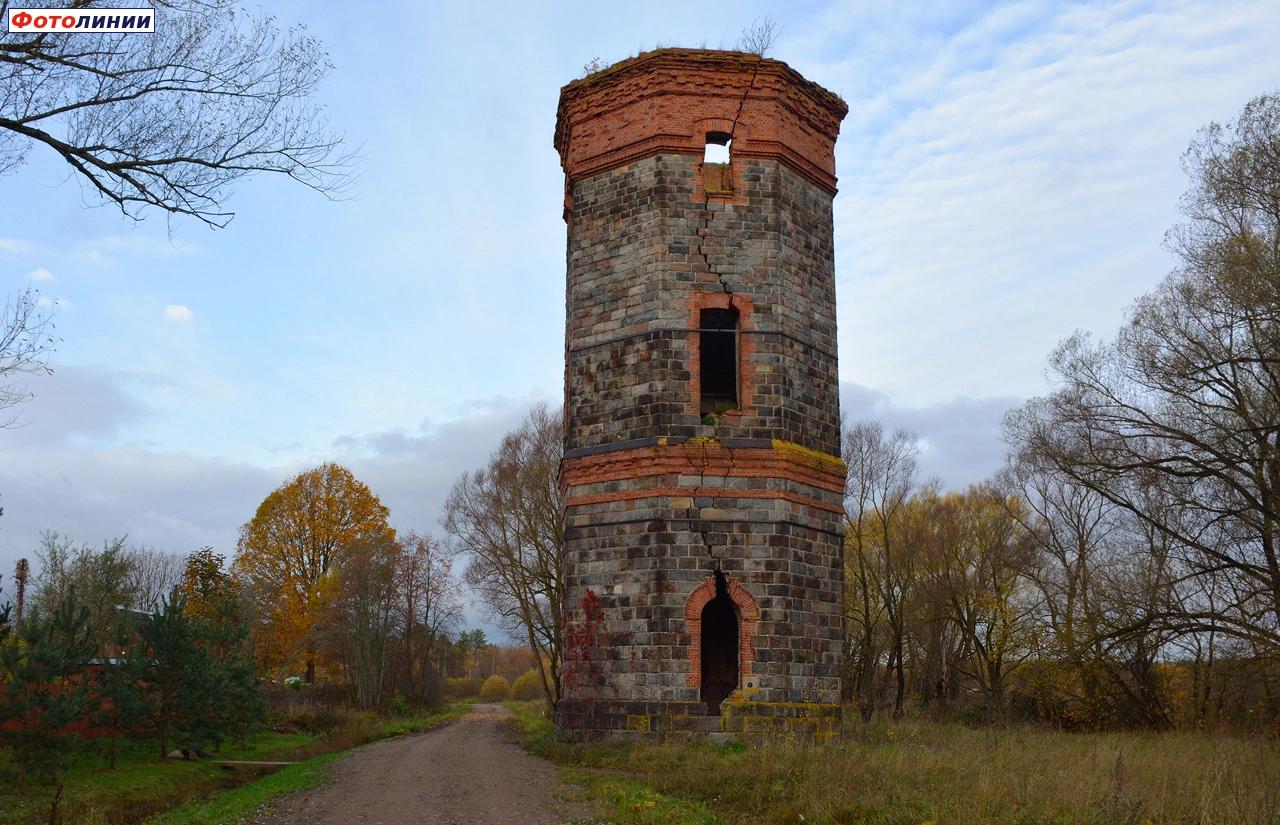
701	469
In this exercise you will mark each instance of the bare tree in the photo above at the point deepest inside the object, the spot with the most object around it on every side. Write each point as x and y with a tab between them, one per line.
759	37
881	478
1154	468
153	574
362	619
1177	420
172	120
508	519
429	602
26	342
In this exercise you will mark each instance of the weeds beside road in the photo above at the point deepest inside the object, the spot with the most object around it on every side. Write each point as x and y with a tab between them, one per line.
143	786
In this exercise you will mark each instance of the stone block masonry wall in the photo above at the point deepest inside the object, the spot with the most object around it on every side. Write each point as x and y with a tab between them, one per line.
645	256
658	501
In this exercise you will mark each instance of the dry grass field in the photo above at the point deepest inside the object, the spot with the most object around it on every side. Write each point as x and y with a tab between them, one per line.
919	772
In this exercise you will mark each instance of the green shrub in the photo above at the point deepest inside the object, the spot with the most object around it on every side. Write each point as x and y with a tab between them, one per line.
462	687
495	689
527	687
399	706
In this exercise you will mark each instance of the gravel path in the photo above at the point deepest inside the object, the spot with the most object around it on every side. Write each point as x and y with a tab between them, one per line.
466	772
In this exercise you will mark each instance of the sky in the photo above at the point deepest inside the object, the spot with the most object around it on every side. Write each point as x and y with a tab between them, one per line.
1007	173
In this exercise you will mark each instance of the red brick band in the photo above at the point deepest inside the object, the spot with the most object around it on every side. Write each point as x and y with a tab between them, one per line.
701	459
702	492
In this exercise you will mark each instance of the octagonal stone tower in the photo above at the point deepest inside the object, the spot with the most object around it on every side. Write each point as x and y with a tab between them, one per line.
701	468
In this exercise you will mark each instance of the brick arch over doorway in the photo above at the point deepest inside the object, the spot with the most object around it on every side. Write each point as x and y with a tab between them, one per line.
748	615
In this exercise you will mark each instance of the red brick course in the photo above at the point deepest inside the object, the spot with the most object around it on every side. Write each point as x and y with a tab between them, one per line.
700	458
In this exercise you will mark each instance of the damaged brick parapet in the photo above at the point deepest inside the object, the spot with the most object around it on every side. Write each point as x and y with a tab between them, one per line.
667	100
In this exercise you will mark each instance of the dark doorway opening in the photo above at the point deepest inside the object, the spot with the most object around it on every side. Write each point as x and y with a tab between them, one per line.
718	360
719	648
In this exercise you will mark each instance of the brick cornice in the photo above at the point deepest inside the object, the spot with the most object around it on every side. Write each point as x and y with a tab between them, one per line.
660	491
666	101
705	458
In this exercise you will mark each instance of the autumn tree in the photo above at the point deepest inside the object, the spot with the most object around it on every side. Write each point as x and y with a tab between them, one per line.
979	566
205	583
507	518
288	556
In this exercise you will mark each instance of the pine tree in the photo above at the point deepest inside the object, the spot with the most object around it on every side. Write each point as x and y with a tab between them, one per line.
46	693
121	701
228	640
169	638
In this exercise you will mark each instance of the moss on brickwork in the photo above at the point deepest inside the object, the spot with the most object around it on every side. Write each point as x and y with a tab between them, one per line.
638	722
790	721
810	458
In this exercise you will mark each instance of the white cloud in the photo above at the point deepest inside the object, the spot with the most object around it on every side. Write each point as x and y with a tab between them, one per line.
109	250
177	312
14	246
1007	172
41	275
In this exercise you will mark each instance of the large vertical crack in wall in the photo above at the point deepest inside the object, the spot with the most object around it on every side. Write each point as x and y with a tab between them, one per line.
704	233
705	230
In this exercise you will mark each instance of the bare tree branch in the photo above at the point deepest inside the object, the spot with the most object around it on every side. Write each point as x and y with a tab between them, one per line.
172	120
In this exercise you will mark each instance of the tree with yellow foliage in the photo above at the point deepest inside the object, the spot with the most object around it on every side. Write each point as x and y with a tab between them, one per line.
290	553
204	582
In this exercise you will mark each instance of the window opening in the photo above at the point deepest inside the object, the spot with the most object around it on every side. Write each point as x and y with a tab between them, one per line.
718	360
718	148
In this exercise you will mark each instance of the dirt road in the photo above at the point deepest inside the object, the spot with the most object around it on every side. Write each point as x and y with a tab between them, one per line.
467	772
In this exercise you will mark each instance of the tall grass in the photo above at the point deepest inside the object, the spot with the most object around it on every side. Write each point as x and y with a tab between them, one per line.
923	772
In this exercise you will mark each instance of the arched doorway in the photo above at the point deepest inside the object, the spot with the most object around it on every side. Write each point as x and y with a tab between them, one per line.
717	672
720	639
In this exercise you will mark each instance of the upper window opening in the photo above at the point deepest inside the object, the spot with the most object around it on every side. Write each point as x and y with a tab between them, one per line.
717	150
718	360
